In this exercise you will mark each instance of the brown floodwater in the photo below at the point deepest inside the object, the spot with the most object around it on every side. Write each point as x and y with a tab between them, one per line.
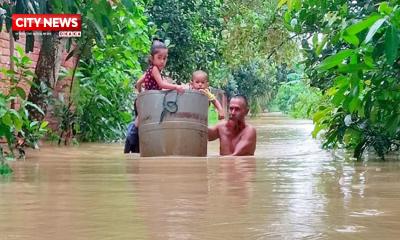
291	189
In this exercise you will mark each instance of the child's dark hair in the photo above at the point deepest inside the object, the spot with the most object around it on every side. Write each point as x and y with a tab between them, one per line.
156	46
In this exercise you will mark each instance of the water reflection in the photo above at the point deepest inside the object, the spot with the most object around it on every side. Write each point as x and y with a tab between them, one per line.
186	198
291	189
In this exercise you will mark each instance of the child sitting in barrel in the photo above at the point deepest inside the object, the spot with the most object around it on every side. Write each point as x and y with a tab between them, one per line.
152	77
200	82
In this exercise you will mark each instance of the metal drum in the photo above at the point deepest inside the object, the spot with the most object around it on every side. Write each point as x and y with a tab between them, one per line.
172	124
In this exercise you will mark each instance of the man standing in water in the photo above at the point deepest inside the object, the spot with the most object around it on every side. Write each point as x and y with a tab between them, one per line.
236	137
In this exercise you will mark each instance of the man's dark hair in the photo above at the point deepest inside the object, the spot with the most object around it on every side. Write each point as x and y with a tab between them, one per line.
242	97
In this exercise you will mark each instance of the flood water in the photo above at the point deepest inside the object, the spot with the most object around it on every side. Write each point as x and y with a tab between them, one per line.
291	189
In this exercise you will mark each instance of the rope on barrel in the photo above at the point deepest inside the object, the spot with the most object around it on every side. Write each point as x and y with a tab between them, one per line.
169	106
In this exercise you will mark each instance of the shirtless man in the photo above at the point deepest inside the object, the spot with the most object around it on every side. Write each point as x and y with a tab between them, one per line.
237	138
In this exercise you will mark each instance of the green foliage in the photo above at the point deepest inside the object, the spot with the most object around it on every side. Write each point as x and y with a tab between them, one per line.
307	103
67	119
15	125
253	32
21	7
288	95
256	49
97	22
193	29
297	99
99	102
257	81
103	112
5	168
354	57
103	93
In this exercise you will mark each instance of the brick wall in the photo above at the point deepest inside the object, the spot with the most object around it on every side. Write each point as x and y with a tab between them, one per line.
5	56
62	85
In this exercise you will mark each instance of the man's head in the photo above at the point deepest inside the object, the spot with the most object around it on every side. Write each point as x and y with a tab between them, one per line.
238	108
199	80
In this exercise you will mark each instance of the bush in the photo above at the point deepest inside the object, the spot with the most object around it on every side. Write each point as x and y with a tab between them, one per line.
297	99
16	127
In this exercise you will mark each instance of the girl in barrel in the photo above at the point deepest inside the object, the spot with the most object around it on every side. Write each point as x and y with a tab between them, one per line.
152	79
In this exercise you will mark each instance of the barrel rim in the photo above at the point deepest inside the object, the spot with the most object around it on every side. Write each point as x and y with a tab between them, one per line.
148	92
158	127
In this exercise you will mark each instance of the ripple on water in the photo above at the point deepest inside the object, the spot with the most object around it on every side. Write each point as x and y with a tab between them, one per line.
367	213
350	229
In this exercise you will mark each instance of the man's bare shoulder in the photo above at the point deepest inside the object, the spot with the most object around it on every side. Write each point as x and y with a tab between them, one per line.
250	127
221	123
250	130
214	132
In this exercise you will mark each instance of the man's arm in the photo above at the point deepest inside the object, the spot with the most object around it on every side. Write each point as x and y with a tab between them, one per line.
247	144
213	133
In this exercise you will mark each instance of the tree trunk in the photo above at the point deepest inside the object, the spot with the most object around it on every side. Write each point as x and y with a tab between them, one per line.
46	74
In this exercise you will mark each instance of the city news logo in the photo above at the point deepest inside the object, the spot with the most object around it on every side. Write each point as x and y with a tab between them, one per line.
67	25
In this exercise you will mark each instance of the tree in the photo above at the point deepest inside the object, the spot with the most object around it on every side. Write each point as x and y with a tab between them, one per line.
15	126
352	53
255	82
253	31
94	23
193	30
102	93
255	46
114	35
